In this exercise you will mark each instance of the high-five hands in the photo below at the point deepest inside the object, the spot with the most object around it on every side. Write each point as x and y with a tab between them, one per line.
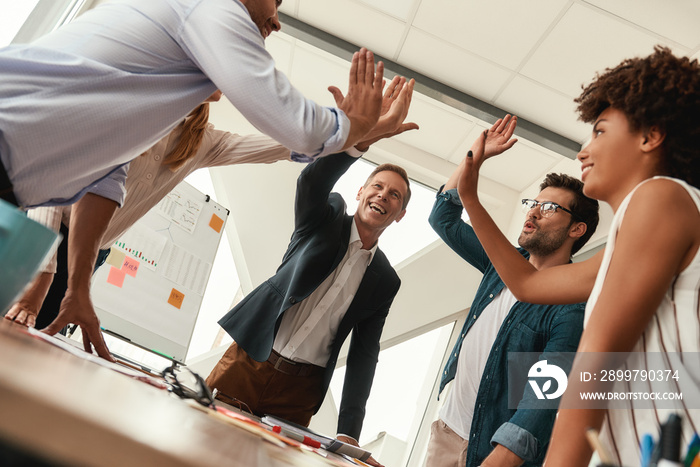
499	138
363	102
373	117
491	142
395	105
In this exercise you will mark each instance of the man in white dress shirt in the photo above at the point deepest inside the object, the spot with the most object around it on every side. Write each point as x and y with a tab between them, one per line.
333	281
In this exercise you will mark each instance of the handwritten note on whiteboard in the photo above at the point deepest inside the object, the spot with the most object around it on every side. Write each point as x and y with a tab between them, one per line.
180	209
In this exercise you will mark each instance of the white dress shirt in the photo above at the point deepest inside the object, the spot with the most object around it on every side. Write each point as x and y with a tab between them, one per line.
308	328
82	101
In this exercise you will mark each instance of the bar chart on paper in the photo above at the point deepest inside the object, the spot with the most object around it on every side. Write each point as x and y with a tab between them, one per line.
143	244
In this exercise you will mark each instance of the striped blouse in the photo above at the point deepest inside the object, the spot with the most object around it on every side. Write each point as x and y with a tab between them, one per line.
671	341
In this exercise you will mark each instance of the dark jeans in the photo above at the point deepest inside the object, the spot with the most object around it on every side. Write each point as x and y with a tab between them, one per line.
52	303
6	192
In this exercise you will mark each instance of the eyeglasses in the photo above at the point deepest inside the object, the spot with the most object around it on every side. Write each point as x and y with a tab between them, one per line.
239	404
188	385
547	208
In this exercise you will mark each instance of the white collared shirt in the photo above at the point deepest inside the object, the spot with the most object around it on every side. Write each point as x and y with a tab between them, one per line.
309	327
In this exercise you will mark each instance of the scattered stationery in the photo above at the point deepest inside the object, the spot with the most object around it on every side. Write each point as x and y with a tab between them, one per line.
327	443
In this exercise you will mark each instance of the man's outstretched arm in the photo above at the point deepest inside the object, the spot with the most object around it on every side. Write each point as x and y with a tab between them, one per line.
89	219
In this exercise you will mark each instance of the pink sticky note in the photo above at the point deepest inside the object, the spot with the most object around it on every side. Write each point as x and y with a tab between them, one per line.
116	277
130	266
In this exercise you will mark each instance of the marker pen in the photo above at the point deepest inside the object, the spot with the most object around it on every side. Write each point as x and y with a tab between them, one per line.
296	436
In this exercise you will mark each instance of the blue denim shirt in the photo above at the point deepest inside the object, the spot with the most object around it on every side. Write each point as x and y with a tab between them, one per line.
526	328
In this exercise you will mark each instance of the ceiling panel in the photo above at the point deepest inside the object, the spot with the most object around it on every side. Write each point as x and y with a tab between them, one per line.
516	168
453	66
543	106
676	20
441	128
289	7
356	23
502	31
328	70
584	41
399	9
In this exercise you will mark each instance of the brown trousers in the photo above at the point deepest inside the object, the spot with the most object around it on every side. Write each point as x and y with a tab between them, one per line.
445	448
265	390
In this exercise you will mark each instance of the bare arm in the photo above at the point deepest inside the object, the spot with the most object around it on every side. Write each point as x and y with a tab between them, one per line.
89	220
502	457
648	255
569	283
27	308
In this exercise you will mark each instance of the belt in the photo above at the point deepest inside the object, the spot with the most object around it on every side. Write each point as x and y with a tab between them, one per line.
6	190
290	367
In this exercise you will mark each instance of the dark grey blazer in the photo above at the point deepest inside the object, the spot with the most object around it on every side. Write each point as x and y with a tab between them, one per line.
320	240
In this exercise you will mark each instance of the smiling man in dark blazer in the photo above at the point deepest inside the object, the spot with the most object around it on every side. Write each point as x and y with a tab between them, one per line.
333	281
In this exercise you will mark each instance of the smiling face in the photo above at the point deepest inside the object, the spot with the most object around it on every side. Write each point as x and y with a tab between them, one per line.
381	201
542	236
264	15
612	162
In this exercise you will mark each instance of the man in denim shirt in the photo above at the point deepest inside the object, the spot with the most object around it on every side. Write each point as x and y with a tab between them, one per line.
476	426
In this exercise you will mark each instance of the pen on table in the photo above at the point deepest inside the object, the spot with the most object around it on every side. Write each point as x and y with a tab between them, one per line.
646	449
693	451
605	457
296	437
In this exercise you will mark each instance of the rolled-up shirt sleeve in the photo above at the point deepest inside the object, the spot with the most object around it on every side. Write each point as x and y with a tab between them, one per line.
112	186
517	439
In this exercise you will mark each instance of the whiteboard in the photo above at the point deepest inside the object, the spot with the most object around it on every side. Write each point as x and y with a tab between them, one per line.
150	289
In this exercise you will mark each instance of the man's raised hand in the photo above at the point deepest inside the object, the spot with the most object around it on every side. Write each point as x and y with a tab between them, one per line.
363	102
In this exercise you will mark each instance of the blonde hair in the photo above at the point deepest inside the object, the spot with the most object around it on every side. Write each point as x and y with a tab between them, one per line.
191	134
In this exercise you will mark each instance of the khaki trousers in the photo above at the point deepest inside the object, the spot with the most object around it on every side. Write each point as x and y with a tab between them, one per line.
265	390
445	448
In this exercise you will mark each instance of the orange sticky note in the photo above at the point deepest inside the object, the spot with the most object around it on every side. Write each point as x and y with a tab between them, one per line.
116	277
216	223
176	298
130	266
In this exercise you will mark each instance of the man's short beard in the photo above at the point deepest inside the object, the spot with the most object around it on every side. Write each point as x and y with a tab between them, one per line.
543	244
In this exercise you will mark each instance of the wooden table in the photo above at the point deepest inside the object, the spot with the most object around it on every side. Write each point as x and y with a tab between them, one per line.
72	411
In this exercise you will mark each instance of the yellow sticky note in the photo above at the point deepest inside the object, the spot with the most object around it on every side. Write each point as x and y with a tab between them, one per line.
176	298
216	223
116	258
116	277
130	266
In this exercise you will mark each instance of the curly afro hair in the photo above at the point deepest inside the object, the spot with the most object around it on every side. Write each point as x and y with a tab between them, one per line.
658	90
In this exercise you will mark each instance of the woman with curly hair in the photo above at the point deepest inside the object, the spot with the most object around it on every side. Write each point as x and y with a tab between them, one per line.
642	160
